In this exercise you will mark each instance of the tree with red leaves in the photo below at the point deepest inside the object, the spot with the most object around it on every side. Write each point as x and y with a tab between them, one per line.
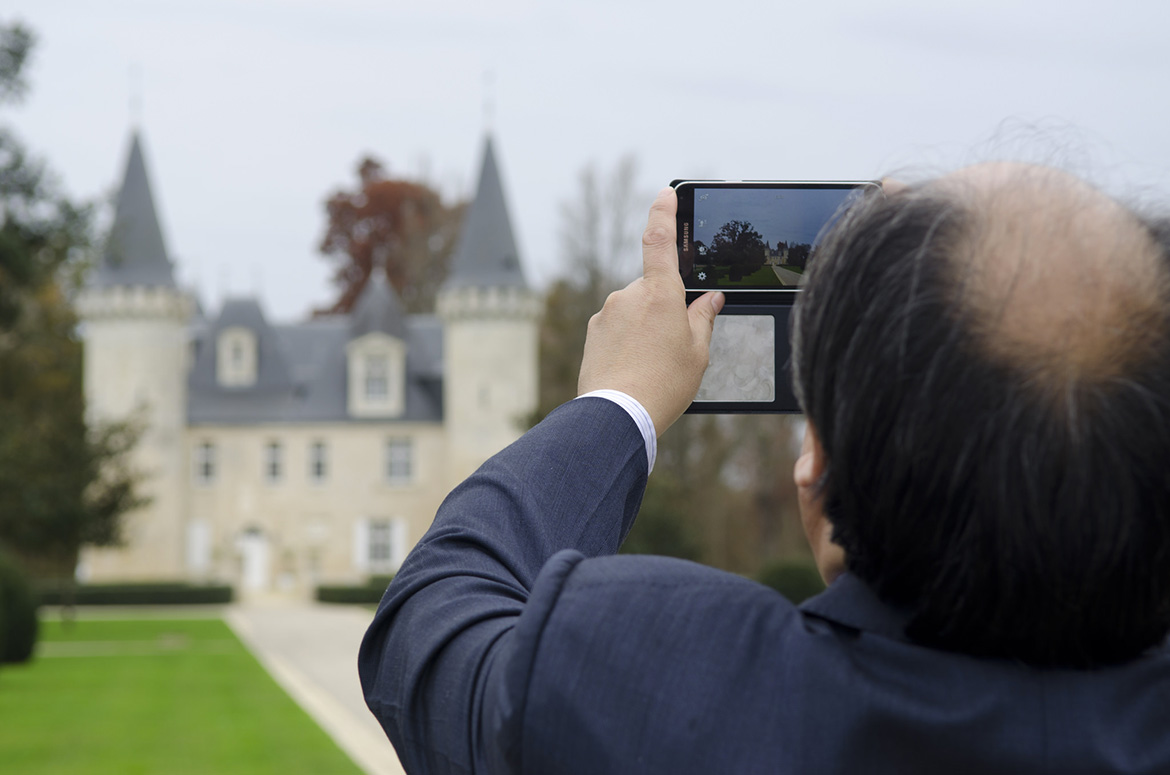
400	227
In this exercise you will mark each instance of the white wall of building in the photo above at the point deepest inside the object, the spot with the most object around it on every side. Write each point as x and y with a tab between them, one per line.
491	377
307	524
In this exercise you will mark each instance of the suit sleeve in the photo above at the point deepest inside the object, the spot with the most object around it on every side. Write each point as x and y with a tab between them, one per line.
445	663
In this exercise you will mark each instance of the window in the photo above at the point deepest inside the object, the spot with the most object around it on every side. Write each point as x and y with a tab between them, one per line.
273	460
399	461
377	378
205	463
236	363
318	461
381	545
199	546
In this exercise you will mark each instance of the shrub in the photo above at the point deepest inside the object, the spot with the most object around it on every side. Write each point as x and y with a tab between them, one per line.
380	581
369	593
18	613
797	581
147	593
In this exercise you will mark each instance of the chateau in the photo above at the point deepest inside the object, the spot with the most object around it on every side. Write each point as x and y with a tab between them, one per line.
283	456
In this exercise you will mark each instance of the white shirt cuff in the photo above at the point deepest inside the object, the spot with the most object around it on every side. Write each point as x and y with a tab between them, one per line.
638	414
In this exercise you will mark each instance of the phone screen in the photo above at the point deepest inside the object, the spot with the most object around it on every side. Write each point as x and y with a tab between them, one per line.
755	236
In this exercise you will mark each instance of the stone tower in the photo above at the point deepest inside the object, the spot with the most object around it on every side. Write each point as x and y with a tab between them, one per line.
490	318
135	339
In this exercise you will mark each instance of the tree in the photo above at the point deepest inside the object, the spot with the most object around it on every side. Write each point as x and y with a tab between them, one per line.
599	234
600	228
739	246
798	255
63	483
399	226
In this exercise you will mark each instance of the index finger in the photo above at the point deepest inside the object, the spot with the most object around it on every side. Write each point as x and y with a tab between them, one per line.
659	253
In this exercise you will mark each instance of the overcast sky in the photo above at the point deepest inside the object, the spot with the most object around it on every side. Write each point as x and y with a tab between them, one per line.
253	111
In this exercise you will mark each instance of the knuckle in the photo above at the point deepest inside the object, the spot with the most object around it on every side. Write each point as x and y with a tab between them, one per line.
611	301
657	236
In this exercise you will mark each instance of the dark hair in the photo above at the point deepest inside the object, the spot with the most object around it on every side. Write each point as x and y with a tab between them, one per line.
1008	518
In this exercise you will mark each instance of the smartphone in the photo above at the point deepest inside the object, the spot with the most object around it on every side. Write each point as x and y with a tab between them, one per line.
753	240
756	236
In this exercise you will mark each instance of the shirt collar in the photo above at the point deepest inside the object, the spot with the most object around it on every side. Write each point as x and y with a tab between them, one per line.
849	601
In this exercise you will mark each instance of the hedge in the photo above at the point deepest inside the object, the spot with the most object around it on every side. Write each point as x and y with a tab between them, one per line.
369	593
147	593
797	581
18	613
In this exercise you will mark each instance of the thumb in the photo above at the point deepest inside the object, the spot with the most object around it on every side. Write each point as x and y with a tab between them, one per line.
702	314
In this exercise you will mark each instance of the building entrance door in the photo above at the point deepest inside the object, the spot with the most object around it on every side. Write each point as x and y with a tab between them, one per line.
253	547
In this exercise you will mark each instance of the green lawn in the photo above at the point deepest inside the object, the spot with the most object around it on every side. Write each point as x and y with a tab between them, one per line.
763	277
153	696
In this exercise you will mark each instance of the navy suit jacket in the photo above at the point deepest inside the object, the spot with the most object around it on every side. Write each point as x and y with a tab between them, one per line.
512	641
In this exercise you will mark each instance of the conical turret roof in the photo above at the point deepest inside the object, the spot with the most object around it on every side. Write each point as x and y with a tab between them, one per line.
486	254
135	253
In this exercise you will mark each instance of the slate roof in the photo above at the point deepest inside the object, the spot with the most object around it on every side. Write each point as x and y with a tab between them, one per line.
378	308
486	254
301	369
135	252
301	376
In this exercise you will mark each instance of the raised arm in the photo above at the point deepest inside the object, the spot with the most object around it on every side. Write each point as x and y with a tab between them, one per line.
445	663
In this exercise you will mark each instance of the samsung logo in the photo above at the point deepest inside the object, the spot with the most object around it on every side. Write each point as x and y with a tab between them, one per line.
686	241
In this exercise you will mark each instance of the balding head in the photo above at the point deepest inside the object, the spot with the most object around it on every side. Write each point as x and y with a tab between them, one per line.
1060	280
986	359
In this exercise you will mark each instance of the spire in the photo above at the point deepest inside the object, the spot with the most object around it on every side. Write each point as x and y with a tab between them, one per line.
135	253
486	254
378	309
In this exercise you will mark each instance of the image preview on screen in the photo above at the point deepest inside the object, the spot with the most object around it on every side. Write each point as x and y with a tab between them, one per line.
759	237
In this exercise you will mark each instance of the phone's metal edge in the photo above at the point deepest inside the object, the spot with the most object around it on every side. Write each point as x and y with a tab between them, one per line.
878	183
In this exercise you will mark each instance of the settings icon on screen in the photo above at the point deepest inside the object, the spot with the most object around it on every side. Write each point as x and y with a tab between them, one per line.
702	275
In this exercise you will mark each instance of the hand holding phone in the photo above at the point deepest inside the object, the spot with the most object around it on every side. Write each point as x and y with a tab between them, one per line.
646	341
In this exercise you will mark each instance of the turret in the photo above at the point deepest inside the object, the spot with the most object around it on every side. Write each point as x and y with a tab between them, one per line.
135	339
490	318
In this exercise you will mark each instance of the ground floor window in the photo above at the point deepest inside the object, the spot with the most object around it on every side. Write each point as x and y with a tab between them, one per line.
380	544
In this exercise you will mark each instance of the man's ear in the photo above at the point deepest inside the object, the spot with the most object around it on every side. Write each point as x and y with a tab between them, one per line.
810	466
807	473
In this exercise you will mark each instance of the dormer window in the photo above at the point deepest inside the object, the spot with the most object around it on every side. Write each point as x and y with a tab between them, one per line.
377	376
236	357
